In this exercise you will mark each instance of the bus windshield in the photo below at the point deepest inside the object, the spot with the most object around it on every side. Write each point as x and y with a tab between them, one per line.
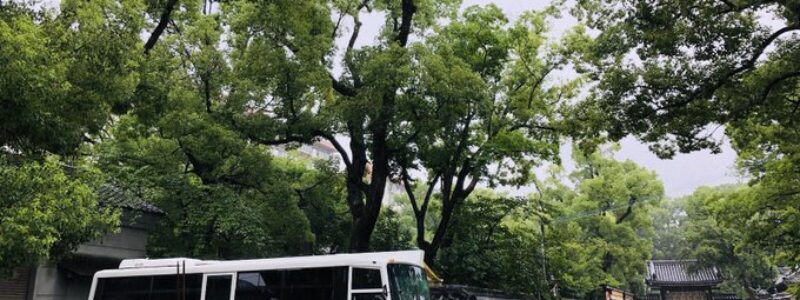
408	282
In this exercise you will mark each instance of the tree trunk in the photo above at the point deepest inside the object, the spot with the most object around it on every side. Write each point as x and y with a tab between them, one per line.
359	237
361	233
608	261
448	209
365	200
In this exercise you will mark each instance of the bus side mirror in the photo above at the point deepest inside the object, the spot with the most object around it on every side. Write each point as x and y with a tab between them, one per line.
385	292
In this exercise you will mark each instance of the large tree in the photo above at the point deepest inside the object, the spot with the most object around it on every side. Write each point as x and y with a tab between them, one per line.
62	74
484	109
282	55
416	95
265	71
222	196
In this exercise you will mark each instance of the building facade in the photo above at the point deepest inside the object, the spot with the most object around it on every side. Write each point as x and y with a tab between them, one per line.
71	278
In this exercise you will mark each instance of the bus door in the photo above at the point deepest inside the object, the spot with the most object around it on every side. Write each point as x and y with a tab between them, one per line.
218	286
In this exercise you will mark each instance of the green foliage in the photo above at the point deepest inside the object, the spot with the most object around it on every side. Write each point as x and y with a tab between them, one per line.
669	71
568	237
283	91
393	232
768	152
672	71
319	186
493	238
46	213
669	242
601	230
483	108
714	231
714	225
62	74
222	198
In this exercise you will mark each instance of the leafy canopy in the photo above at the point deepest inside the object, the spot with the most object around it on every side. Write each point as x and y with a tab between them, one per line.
62	75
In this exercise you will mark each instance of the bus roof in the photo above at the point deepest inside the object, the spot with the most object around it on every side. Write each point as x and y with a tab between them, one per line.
140	267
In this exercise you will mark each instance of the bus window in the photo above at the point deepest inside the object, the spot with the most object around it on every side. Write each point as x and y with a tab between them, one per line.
369	296
302	284
258	285
161	287
218	287
123	288
367	278
367	284
408	282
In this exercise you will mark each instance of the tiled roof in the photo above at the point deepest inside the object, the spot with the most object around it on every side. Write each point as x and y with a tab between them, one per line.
114	196
714	296
680	273
789	275
725	296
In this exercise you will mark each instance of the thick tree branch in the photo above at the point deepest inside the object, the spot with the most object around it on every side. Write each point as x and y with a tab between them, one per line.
342	88
348	54
731	7
409	9
336	145
353	38
628	212
162	24
709	90
531	127
275	142
471	186
429	193
410	191
775	82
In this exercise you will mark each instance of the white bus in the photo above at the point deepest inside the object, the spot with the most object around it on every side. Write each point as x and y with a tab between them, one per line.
365	276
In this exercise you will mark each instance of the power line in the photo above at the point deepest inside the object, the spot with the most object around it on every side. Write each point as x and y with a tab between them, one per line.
595	212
